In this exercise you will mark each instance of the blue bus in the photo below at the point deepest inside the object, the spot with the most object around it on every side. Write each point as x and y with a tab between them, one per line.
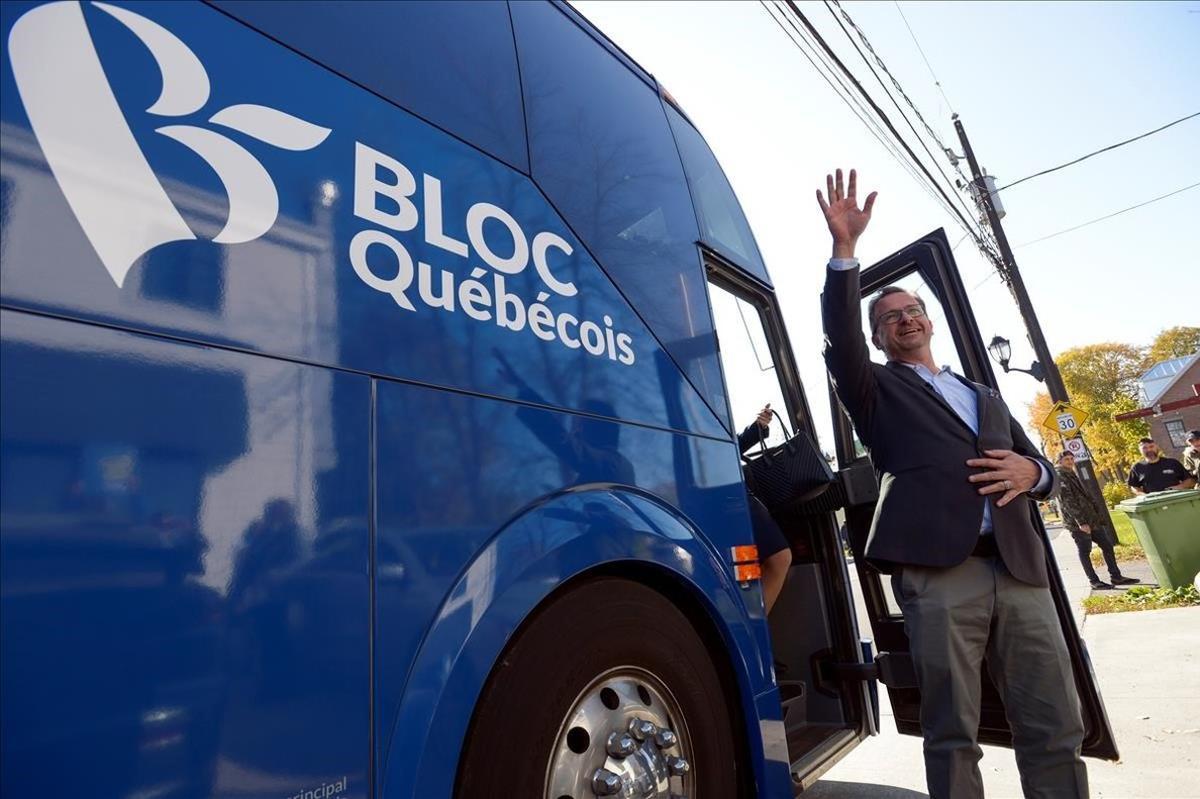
364	428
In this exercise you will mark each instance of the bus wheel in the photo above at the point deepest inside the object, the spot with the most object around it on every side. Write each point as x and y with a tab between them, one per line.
608	691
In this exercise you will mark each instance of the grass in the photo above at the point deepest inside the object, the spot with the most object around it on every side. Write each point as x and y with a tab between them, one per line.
1128	547
1142	597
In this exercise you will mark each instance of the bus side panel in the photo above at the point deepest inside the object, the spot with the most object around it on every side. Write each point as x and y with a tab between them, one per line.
453	470
372	241
184	562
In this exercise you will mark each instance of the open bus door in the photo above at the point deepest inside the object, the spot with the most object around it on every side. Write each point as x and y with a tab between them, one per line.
927	266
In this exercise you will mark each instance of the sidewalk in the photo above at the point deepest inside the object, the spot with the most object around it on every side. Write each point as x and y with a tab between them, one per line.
1148	668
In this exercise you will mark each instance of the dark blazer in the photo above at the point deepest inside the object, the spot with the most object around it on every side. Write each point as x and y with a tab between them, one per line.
928	514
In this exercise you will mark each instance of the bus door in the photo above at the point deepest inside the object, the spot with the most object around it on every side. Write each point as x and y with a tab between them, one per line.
813	633
927	267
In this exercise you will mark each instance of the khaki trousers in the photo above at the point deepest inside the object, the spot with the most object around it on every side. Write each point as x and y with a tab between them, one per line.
955	618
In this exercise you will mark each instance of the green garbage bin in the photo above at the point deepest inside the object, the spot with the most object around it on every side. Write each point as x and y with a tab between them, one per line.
1168	525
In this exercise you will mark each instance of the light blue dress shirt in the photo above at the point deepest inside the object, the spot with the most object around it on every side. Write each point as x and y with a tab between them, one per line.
959	396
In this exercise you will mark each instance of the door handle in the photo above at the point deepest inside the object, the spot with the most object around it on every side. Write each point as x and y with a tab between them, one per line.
893	669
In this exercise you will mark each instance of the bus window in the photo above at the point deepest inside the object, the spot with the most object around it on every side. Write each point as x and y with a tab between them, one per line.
747	360
601	149
723	226
452	63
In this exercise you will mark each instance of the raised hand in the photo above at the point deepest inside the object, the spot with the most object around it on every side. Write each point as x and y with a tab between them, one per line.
845	219
764	417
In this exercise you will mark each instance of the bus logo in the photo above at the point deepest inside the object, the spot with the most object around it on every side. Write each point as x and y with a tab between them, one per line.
125	211
119	202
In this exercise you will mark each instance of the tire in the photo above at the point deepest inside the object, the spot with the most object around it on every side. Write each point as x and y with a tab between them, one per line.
604	627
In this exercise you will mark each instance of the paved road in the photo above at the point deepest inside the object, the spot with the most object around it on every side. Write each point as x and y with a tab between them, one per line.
1148	667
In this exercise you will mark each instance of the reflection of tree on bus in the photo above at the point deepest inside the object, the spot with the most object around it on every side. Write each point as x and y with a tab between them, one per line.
774	552
588	446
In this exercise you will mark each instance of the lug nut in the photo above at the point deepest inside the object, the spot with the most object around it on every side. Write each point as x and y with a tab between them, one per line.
642	729
665	739
678	766
621	745
605	783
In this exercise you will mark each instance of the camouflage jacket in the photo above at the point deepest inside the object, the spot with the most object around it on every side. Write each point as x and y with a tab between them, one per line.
1076	504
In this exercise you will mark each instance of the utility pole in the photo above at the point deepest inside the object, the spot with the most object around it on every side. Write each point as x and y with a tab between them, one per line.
1054	381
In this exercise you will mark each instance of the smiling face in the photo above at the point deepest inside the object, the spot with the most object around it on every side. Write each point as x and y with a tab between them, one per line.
906	338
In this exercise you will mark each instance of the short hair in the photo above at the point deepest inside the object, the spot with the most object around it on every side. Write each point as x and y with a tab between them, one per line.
1066	453
1193	435
1146	441
883	292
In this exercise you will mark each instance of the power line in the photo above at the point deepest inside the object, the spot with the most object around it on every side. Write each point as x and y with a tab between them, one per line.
979	285
921	50
852	101
867	43
890	126
1110	216
984	239
856	105
1097	152
893	98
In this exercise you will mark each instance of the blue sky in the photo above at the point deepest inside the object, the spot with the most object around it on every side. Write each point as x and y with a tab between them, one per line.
1035	84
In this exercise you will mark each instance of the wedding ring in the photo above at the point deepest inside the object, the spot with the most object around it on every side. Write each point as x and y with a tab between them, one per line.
1008	485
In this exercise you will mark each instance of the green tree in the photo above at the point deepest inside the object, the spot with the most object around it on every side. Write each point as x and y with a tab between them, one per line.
1174	342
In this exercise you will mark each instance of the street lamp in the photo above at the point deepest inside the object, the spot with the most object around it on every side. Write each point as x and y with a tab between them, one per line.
1001	350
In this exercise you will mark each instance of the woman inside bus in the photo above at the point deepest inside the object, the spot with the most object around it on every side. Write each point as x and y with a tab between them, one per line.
774	552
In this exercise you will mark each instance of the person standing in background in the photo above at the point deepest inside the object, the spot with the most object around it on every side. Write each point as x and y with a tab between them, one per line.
1191	455
1087	521
1155	472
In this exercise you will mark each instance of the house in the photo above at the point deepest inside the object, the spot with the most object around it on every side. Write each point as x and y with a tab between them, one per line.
1170	395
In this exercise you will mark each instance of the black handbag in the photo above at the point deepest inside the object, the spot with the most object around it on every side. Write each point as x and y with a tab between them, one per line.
792	472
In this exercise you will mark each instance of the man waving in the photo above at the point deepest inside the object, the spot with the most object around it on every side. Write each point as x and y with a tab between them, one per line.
953	526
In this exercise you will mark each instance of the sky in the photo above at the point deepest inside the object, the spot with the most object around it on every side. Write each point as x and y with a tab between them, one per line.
1036	85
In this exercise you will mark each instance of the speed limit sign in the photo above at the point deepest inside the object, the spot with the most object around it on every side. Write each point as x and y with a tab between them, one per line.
1065	420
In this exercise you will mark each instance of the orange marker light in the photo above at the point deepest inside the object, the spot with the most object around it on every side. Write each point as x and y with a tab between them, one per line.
745	554
746	572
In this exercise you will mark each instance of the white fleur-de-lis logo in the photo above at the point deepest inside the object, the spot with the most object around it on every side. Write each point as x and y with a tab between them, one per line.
120	203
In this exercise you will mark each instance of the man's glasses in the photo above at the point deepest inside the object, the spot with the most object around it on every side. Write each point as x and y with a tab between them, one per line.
892	317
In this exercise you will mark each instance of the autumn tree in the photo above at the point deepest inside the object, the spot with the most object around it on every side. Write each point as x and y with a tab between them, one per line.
1039	409
1102	380
1174	342
1102	372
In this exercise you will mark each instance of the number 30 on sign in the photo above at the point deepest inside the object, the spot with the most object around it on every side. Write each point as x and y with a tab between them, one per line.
1064	420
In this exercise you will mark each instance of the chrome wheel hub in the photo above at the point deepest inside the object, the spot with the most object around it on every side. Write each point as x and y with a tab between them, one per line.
624	737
